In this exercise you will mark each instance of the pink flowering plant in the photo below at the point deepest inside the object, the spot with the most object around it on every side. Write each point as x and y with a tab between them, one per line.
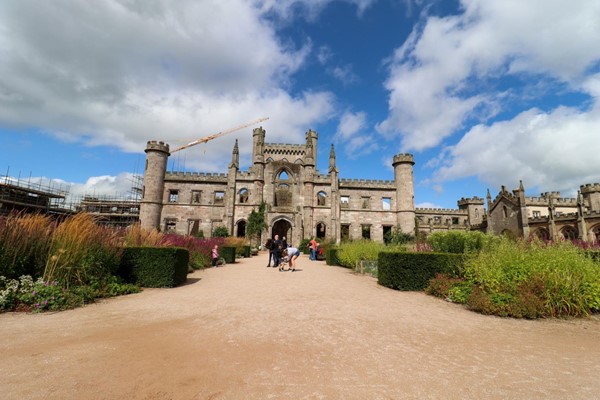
199	248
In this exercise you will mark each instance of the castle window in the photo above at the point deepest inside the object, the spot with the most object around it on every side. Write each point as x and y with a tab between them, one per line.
243	195
366	231
170	225
219	197
437	220
193	227
454	220
344	201
173	196
365	202
387	234
557	214
386	203
345	232
269	160
504	212
537	214
321	198
196	196
283	176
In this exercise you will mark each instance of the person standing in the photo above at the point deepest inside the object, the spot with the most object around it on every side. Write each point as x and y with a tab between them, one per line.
276	251
313	249
215	256
269	246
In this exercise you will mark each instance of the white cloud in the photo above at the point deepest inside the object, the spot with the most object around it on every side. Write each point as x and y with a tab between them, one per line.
549	151
121	73
309	9
344	74
350	132
438	77
427	205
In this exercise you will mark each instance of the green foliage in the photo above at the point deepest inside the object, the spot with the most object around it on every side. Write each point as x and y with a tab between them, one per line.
256	223
412	271
397	237
200	234
350	253
154	266
228	253
460	242
304	246
331	255
244	251
220	231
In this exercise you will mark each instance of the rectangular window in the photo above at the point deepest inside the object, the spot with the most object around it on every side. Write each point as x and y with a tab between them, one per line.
344	201
219	197
345	232
196	196
173	196
437	220
193	227
170	225
454	220
365	202
366	231
387	234
537	214
386	203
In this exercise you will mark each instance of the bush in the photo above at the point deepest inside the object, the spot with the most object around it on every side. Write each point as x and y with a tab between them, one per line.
245	252
398	237
331	255
220	231
532	278
228	253
460	242
412	271
350	253
154	266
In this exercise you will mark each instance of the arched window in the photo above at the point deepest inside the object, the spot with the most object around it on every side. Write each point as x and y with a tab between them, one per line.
321	198
569	233
269	160
283	176
596	233
243	195
321	230
542	234
283	191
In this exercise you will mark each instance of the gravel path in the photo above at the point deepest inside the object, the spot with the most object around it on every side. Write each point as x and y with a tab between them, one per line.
244	331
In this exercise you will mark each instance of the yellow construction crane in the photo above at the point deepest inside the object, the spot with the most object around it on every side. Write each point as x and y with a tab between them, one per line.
216	135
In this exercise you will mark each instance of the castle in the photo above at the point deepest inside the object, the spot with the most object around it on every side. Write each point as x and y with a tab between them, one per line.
303	202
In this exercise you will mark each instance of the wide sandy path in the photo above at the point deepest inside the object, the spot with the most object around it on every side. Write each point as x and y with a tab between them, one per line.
244	331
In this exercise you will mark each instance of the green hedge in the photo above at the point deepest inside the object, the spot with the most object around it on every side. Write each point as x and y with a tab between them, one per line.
154	266
331	257
228	253
245	251
412	271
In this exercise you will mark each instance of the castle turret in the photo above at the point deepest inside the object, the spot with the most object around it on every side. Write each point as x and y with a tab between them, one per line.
523	219
335	197
581	223
157	154
405	192
475	209
231	193
312	137
591	196
258	162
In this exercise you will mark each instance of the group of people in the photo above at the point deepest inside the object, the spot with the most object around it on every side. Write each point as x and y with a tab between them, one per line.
281	254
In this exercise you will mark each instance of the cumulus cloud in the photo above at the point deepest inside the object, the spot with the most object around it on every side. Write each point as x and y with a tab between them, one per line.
344	74
450	68
119	73
350	132
309	9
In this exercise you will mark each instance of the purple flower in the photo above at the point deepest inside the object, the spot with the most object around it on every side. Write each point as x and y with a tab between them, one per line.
45	302
37	304
33	293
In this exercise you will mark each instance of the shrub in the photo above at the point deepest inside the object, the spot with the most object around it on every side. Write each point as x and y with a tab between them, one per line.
350	253
331	255
398	237
154	266
460	242
24	244
220	231
238	242
228	253
200	249
135	236
412	271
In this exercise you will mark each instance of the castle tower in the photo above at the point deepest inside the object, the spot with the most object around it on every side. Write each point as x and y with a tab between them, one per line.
405	192
335	197
523	219
308	178
591	196
231	193
157	154
258	162
475	209
312	137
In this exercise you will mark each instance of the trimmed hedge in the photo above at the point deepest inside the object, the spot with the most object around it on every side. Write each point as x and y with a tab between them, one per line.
154	266
331	257
228	253
245	251
412	271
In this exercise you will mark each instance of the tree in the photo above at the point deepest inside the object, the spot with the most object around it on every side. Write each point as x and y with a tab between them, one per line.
256	223
220	231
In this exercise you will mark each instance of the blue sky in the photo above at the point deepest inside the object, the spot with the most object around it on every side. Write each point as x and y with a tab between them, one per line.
483	92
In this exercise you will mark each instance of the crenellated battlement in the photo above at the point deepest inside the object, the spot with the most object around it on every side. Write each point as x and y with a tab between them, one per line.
403	158
196	176
366	183
464	201
556	201
440	211
157	146
555	195
285	149
590	188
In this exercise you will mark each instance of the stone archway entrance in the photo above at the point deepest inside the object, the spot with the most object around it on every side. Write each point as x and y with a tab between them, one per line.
241	229
282	228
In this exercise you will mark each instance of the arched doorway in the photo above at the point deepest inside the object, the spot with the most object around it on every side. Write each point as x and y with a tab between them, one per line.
321	231
241	229
282	228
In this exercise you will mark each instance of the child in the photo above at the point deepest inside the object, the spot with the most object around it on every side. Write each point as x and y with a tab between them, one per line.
215	256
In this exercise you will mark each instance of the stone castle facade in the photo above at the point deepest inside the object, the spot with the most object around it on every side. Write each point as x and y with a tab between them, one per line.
303	202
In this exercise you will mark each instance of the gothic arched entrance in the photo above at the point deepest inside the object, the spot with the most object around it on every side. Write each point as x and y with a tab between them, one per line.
282	228
321	231
241	228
